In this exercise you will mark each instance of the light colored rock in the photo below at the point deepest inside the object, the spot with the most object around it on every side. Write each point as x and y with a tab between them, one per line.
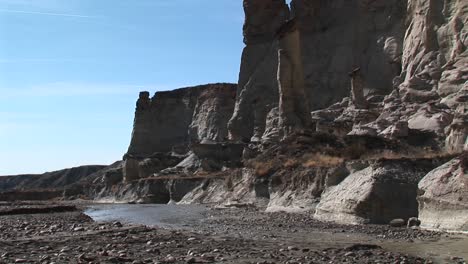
398	130
457	139
443	199
257	91
430	119
361	130
457	135
338	36
377	194
434	49
142	126
293	104
213	110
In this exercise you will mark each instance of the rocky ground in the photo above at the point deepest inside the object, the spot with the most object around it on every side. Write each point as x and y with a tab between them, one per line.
224	236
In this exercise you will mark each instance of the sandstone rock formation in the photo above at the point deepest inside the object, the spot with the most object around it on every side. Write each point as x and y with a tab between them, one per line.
214	108
443	199
339	36
257	91
162	122
168	123
336	37
377	194
435	51
294	110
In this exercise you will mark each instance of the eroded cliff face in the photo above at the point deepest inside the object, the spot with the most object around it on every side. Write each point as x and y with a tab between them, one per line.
338	36
257	92
414	47
171	120
167	124
387	84
435	55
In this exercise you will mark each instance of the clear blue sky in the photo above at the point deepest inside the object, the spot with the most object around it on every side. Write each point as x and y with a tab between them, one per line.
71	70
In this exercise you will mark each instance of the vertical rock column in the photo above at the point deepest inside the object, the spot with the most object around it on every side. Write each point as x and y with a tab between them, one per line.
141	137
257	92
293	105
142	126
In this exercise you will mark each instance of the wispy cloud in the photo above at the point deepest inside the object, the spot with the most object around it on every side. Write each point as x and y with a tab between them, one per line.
45	13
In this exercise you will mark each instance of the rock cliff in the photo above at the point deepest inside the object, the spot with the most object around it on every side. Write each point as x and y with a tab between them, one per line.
386	82
416	48
355	111
167	124
348	109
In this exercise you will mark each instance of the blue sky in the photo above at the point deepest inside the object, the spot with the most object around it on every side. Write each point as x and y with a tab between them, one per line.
71	70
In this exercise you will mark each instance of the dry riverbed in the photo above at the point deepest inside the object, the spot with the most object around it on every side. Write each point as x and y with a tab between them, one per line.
220	236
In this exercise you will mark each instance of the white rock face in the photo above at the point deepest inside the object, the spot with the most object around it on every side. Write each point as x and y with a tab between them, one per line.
293	102
376	194
435	51
257	91
416	48
427	120
443	199
212	112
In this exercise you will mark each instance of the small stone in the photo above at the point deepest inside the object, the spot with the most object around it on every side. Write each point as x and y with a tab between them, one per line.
169	259
293	248
397	222
413	221
117	224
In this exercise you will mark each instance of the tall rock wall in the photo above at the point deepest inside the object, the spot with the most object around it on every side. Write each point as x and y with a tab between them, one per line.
257	92
213	110
171	119
339	36
162	122
418	47
336	37
435	55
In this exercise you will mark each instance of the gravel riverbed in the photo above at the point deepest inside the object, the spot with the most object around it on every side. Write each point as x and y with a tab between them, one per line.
220	236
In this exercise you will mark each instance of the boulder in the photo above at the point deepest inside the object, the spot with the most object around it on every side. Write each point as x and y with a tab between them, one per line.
360	130
443	196
397	130
430	119
413	222
377	194
397	222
